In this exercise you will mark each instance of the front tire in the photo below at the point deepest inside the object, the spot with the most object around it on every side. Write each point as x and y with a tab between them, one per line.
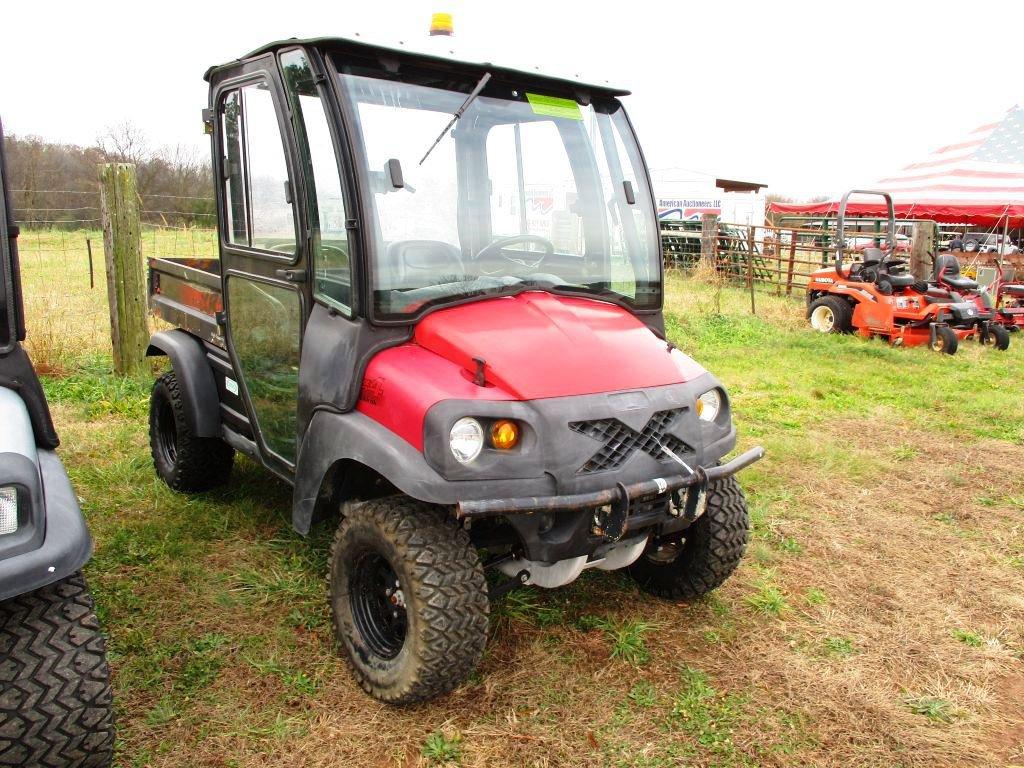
696	561
997	337
55	700
408	599
831	314
184	461
946	340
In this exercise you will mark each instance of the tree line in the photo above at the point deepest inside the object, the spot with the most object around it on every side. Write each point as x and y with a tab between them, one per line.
56	185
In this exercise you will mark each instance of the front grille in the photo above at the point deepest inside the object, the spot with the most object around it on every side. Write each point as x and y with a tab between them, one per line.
620	441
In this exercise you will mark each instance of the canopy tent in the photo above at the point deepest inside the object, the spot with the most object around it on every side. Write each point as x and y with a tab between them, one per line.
977	181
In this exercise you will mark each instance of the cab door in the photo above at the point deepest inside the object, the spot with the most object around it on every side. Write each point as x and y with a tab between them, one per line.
263	252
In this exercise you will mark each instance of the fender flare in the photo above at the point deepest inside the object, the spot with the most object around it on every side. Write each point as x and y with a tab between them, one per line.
337	442
195	379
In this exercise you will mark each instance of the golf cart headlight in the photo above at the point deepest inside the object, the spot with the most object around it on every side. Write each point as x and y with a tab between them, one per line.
8	510
466	439
708	405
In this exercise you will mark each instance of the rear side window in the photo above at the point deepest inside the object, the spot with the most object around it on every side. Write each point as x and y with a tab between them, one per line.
256	188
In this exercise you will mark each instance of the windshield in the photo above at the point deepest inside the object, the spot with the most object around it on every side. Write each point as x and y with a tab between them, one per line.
525	191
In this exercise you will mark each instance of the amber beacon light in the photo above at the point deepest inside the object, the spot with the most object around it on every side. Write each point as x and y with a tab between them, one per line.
441	24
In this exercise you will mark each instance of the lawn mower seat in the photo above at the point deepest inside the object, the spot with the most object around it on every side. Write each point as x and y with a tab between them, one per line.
1014	289
418	263
947	270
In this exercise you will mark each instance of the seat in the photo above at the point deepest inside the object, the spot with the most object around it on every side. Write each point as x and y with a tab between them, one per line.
419	263
947	270
899	281
1013	289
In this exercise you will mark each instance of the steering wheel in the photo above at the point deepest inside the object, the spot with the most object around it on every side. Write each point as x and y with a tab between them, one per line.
497	248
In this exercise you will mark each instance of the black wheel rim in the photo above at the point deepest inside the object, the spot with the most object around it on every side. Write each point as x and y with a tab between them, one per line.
167	433
378	604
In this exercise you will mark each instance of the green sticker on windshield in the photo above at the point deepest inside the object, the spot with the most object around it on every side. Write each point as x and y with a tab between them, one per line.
552	106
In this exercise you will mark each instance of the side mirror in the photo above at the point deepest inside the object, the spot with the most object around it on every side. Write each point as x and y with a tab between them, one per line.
395	173
627	189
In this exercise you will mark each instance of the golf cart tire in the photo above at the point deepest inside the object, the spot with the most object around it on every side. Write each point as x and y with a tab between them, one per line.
712	548
444	592
185	462
56	706
946	340
842	313
996	337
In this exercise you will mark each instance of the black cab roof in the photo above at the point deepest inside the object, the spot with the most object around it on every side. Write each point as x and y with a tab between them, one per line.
392	56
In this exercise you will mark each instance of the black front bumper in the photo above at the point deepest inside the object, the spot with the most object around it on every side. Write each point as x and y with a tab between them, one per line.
553	528
618	494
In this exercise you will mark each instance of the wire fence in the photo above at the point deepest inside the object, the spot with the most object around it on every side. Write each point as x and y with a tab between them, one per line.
63	267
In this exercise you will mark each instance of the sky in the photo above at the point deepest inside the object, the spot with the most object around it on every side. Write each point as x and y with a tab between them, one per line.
810	98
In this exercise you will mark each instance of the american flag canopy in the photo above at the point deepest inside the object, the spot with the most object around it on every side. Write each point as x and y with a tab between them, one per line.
978	180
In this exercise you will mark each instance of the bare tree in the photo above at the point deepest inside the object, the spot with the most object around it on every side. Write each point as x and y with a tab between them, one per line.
124	143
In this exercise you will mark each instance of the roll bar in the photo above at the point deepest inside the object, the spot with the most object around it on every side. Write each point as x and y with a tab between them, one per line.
840	236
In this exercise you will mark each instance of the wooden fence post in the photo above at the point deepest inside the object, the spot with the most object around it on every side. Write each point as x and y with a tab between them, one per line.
922	244
126	283
709	238
789	267
751	245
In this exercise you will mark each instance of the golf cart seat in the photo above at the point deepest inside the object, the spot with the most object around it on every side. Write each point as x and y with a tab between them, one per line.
947	270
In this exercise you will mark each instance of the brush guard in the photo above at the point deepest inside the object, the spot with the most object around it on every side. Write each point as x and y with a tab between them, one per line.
617	498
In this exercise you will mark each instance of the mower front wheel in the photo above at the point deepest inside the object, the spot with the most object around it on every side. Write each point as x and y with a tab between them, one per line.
408	598
831	314
996	337
946	340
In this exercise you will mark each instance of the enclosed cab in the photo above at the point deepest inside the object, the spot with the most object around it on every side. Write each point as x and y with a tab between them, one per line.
437	312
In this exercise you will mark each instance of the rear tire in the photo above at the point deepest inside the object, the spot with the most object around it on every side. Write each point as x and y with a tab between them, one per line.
997	337
55	700
700	559
408	599
946	340
831	314
185	462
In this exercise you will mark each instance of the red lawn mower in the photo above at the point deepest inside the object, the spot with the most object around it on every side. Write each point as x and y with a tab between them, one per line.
879	297
950	285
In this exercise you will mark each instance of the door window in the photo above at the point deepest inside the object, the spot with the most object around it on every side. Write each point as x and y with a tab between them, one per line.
332	274
265	324
256	188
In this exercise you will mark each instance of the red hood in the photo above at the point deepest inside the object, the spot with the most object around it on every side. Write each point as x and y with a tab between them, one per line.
539	345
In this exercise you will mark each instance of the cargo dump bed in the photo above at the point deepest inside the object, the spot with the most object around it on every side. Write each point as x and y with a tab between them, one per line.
186	292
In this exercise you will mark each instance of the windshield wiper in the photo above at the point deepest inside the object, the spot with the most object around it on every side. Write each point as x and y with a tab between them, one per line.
458	112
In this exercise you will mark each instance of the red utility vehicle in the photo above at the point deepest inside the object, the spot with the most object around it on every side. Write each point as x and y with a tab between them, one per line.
878	297
437	311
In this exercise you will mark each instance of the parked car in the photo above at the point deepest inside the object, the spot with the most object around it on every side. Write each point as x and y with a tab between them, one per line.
55	698
861	241
988	242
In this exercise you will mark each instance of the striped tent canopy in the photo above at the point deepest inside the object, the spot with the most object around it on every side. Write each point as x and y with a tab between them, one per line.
978	181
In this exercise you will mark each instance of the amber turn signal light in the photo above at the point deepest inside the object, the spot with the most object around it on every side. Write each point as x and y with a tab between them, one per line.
504	434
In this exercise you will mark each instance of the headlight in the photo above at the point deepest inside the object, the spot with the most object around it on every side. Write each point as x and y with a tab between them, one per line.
709	404
8	510
466	439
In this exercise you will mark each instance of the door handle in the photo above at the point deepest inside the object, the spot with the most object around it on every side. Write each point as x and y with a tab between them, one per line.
292	275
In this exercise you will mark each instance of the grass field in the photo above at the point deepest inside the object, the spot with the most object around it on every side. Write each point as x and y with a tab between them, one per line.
877	620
